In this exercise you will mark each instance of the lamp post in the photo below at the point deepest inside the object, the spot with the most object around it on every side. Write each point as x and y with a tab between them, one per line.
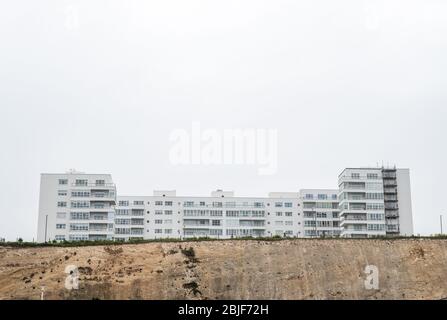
440	220
46	226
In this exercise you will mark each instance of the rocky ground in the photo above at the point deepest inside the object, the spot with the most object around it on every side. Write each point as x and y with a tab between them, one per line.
289	269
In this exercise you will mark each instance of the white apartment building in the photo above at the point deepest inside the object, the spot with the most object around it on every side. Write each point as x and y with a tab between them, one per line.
375	202
369	202
76	206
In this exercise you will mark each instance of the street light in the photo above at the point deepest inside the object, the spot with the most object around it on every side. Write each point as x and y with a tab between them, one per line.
440	220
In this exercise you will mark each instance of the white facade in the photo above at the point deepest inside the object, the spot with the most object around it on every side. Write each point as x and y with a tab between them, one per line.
375	202
369	202
76	206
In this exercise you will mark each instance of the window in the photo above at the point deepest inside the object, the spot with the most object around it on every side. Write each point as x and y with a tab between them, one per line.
334	197
288	214
158	221
100	182
60	226
322	196
215	223
374	195
288	204
80	204
158	203
79	227
158	230
158	212
279	214
78	237
168	203
376	227
188	204
355	175
376	216
138	203
123	203
63	182
59	238
61	215
81	182
288	223
372	176
168	231
168	212
62	193
79	216
122	221
80	194
122	212
309	196
278	204
62	204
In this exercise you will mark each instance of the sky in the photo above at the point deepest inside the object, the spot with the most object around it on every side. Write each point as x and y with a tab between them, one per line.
100	86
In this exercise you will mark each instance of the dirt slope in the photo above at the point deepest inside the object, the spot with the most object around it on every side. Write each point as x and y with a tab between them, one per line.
289	269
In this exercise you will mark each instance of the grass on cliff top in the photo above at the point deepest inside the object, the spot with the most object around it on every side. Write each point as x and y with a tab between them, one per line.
22	244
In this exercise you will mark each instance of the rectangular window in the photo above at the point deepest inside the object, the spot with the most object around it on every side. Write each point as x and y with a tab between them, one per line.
60	226
62	193
79	227
138	203
279	214
61	215
288	204
123	203
215	223
322	196
372	176
79	216
355	175
59	238
158	221
63	182
80	194
80	204
158	203
62	204
288	214
81	182
158	230
168	212
278	204
168	203
100	182
168	231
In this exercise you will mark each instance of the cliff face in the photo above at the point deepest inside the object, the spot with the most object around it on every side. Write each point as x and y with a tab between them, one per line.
288	269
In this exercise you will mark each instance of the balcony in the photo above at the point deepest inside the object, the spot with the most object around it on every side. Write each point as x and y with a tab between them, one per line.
389	183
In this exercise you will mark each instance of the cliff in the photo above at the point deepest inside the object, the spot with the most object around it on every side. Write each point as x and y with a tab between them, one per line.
236	269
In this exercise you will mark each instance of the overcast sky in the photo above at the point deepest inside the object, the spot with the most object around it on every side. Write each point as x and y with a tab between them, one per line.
100	85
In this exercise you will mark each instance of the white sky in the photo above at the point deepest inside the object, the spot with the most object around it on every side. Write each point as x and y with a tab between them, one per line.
99	86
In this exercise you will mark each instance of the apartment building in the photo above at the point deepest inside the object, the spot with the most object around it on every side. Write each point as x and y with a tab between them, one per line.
76	206
320	212
369	202
375	202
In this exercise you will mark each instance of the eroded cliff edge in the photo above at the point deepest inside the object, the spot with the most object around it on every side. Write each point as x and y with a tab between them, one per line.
233	269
